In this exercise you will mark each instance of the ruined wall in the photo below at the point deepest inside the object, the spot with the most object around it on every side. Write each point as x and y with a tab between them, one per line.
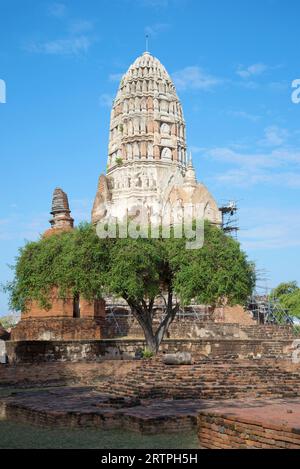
58	322
233	314
95	350
58	329
192	328
63	308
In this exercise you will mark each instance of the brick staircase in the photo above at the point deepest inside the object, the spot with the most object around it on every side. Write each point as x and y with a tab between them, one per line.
205	380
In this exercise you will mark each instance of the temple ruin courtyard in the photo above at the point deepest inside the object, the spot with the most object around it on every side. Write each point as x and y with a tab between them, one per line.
154	338
227	402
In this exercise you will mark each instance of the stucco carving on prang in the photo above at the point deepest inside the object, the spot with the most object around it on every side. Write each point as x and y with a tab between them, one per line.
147	163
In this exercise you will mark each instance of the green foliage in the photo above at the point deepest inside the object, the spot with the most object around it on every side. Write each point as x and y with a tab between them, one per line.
138	270
288	295
145	267
296	330
285	288
146	353
119	161
134	268
74	262
218	272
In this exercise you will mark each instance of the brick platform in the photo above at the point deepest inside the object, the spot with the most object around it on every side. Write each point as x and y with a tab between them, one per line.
85	407
63	374
238	424
272	425
232	404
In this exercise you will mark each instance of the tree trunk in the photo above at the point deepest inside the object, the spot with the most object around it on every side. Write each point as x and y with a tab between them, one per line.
150	337
151	342
144	317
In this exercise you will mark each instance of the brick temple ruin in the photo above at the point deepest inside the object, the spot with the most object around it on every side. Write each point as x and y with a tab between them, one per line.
242	389
147	169
76	319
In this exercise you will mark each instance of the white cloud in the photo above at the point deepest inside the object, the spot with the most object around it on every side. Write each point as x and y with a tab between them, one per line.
161	3
250	177
20	227
80	26
251	70
106	100
115	77
194	77
81	209
77	39
274	136
195	149
157	28
244	115
58	10
4	221
69	46
154	3
248	84
270	228
275	158
279	166
279	86
16	227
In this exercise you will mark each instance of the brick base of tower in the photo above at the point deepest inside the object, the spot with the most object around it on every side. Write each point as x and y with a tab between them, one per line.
59	323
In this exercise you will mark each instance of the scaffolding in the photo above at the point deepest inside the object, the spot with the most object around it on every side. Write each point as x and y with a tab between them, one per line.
120	315
115	313
229	218
264	308
267	310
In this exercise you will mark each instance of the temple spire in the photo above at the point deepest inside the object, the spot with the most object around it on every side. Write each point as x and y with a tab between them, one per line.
190	175
60	210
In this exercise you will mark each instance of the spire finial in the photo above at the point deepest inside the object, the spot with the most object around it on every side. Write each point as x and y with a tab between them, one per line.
147	42
190	175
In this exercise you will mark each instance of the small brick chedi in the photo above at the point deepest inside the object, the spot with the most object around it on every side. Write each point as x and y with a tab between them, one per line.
72	318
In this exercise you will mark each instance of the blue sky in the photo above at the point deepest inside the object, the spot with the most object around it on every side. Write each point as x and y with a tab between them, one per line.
233	62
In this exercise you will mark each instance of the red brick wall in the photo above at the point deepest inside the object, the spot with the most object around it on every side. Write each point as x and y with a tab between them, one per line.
59	308
226	432
56	329
233	314
45	350
64	308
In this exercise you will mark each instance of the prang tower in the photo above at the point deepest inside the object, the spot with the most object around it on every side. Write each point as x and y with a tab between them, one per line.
147	164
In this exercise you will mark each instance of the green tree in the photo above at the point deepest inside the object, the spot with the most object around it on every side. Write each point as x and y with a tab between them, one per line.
284	288
288	295
138	270
141	270
74	262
